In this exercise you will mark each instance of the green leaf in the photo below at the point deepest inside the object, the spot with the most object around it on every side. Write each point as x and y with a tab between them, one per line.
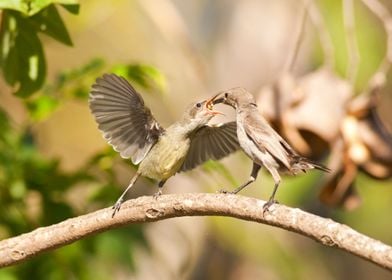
41	107
145	75
4	121
31	7
22	58
73	8
49	22
17	5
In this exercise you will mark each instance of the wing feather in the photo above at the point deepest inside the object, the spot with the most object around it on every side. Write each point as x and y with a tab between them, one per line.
211	142
266	138
126	123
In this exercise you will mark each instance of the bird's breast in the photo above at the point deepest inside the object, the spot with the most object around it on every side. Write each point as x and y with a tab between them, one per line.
245	142
165	158
259	156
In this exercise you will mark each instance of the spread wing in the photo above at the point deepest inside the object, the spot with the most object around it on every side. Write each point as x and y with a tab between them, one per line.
267	139
126	123
211	142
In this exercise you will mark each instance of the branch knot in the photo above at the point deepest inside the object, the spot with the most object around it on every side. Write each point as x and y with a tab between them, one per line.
327	240
154	213
17	255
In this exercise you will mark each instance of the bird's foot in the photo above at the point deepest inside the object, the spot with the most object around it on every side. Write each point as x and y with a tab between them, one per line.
225	191
116	207
157	194
268	204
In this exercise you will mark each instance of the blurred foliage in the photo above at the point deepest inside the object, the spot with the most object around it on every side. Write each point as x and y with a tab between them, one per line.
370	39
75	84
144	75
34	190
22	57
31	7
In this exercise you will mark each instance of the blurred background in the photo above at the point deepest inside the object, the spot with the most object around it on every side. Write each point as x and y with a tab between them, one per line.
318	69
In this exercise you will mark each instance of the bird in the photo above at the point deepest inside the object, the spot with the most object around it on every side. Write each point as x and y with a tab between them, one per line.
262	143
131	129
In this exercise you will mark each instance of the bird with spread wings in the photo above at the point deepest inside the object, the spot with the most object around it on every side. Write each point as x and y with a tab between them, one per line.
129	126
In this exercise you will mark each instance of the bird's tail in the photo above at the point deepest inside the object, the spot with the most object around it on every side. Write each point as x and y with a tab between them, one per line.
301	163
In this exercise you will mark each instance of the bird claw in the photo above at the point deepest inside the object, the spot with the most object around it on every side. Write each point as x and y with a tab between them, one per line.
157	194
268	204
116	207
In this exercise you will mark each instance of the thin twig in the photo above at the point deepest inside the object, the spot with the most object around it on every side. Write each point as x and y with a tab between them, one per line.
148	209
352	44
298	36
379	78
171	24
322	31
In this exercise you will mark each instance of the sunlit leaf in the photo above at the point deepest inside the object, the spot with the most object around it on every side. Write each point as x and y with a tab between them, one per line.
22	58
145	75
17	5
41	107
31	7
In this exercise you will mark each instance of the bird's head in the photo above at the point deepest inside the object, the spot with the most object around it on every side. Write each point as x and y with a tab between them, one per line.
234	97
200	113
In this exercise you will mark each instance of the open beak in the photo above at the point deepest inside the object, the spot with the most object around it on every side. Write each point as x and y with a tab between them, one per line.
210	105
217	99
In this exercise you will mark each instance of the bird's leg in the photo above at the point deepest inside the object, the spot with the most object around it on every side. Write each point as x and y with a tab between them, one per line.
159	192
272	200
252	178
120	200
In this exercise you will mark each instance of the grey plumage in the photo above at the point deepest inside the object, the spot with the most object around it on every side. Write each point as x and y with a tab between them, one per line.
211	142
129	126
261	142
126	123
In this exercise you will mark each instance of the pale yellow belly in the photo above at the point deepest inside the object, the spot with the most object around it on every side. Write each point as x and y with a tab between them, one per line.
164	159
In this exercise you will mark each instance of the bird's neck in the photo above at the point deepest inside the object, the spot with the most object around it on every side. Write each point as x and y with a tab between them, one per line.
246	107
183	128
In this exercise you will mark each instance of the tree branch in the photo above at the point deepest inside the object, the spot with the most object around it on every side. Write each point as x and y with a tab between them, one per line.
148	209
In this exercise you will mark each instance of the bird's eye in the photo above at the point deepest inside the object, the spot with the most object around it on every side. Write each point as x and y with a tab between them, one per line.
198	105
226	95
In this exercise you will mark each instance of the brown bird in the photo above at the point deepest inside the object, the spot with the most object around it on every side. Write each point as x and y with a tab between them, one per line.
128	125
261	142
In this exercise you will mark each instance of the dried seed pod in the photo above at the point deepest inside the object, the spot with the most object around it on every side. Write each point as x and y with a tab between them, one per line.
365	145
307	111
372	135
338	189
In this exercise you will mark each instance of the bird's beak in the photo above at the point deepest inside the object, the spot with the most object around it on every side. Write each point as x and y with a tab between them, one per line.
210	106
218	98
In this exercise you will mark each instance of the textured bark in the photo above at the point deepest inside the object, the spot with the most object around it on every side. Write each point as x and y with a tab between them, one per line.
148	209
